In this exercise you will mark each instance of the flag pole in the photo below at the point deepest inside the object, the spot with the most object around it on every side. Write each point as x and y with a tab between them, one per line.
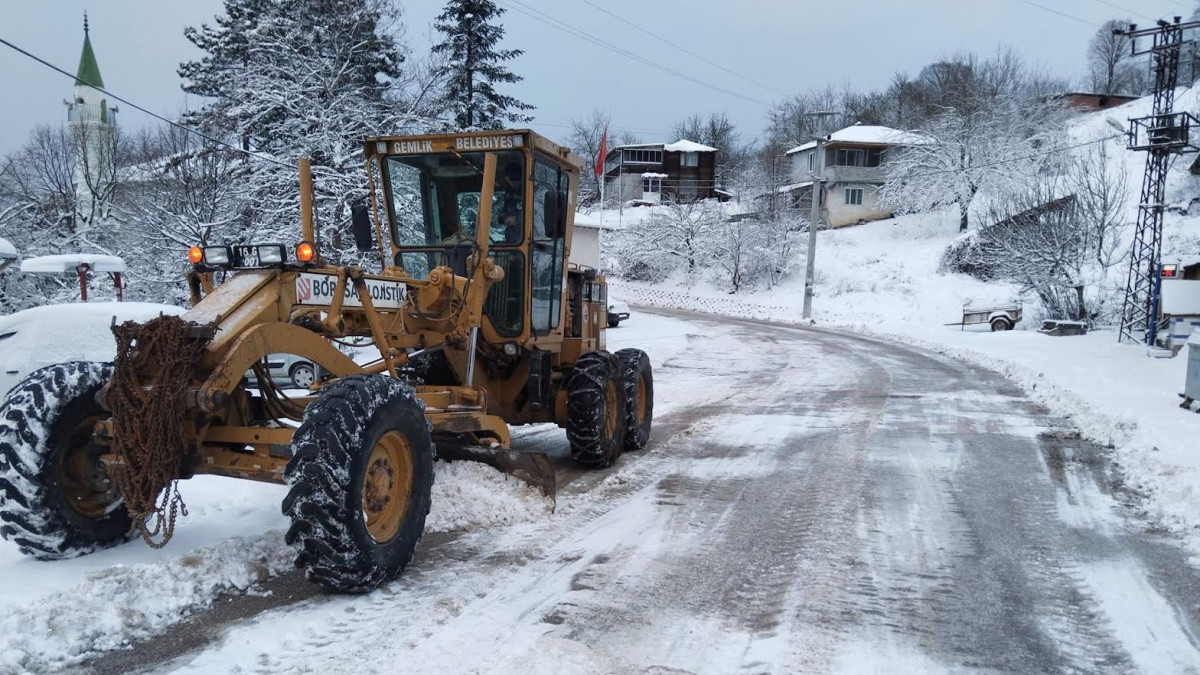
599	170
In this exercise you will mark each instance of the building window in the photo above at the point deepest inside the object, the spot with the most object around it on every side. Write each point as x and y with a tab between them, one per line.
850	157
651	184
690	159
641	156
812	161
853	196
874	157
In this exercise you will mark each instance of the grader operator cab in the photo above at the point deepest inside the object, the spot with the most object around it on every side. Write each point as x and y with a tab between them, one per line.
479	321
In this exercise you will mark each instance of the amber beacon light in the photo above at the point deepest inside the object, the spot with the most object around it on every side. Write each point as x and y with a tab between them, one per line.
305	252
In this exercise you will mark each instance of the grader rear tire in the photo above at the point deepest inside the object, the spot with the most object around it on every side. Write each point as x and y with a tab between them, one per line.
57	500
360	475
596	410
638	378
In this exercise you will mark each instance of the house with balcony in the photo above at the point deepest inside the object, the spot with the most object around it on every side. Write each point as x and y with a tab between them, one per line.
853	163
651	172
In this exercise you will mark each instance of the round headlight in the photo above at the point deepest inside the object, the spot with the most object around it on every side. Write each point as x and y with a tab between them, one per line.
510	348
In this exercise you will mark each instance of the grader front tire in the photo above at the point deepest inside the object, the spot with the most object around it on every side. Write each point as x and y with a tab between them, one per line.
361	474
596	410
57	501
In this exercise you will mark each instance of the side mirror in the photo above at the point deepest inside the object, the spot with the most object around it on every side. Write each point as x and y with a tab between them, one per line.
561	221
361	225
550	213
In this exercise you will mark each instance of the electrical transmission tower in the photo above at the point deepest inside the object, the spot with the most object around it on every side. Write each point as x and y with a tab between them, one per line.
1163	134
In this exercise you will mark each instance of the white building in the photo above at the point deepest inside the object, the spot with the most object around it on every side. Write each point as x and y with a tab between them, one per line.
93	124
585	242
854	167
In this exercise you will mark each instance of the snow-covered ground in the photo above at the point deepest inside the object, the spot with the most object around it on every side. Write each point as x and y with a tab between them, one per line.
52	614
882	278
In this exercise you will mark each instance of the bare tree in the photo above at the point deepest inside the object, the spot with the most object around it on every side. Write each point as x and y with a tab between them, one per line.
182	192
992	128
719	132
42	212
1108	55
626	137
584	139
791	122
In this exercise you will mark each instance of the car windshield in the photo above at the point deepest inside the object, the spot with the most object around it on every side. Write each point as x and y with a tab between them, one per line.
433	201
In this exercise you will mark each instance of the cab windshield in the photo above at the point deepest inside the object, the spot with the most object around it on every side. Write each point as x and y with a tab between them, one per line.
433	201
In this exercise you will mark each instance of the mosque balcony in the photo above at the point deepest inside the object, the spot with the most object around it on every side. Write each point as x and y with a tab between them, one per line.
91	112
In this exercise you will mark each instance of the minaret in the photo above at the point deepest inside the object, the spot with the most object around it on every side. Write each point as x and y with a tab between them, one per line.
94	125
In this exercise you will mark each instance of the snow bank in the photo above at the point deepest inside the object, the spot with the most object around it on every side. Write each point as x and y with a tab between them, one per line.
472	496
7	250
113	607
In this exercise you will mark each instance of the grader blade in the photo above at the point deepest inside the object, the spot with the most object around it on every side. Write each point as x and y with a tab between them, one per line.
534	468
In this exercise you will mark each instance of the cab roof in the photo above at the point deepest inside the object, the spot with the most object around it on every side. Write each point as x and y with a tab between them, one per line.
472	141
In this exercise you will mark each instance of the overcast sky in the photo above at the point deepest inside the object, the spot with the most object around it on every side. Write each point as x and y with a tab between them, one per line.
786	45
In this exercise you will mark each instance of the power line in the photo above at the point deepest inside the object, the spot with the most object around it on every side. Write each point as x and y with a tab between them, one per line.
685	50
1055	11
1127	11
646	132
156	116
565	27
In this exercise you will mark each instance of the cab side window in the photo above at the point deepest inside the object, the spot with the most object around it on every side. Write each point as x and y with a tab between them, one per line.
548	246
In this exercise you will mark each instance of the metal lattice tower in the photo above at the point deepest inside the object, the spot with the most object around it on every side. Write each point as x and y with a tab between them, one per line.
1162	134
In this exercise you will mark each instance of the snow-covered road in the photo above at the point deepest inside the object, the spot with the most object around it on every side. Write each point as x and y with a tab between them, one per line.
810	502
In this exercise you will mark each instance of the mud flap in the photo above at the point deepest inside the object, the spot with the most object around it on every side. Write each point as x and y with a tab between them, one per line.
533	468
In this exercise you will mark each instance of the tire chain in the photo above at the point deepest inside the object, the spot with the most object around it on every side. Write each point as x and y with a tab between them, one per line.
148	397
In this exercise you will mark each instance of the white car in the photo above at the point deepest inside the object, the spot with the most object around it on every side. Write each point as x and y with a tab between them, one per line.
43	336
618	311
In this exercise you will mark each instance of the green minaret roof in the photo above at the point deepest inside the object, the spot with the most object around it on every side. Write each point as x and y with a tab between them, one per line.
89	71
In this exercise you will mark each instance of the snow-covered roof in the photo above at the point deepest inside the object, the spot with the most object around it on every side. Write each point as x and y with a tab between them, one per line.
684	145
651	174
868	134
7	250
67	262
795	186
592	220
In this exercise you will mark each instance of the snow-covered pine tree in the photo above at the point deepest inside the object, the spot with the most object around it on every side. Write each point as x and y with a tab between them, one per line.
302	78
475	65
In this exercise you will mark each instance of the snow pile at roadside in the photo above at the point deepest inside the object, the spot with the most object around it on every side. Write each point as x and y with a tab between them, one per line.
473	496
116	606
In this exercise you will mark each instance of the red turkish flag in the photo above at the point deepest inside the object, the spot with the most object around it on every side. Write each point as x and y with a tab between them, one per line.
603	151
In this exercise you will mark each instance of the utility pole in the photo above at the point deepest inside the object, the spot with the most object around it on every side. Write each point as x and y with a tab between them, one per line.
814	220
814	224
1162	134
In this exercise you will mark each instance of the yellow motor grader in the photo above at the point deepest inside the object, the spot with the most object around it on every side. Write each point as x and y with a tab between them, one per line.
479	322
